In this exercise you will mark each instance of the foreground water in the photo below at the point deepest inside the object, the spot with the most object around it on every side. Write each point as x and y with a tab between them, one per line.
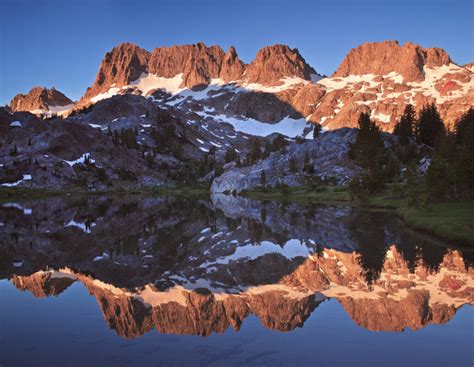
161	281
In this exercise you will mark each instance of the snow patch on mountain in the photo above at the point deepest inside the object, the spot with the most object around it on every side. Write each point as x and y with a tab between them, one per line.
110	93
286	83
80	160
287	126
54	110
149	82
338	83
25	178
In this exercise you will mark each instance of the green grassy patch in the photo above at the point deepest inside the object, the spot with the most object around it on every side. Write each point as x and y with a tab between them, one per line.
451	221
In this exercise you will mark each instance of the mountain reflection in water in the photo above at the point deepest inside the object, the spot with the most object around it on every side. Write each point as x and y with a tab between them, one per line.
198	266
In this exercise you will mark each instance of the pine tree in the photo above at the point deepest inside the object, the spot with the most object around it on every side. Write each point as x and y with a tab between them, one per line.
306	164
263	179
14	150
279	142
437	179
462	162
429	127
317	130
292	165
404	128
369	152
255	153
128	138
230	155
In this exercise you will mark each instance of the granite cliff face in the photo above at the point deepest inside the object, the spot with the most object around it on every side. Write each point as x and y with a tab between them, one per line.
378	78
273	63
382	78
124	64
382	58
327	155
197	65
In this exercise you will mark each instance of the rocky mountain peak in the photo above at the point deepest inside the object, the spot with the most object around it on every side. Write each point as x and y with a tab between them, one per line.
202	65
273	63
198	63
232	67
382	58
125	63
39	98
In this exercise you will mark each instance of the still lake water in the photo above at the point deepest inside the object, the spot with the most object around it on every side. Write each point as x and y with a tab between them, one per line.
163	281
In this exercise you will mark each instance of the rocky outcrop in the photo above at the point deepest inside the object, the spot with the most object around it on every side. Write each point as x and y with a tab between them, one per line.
327	154
273	63
90	150
39	98
382	58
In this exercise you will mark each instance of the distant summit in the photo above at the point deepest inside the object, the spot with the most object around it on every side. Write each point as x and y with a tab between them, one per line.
41	100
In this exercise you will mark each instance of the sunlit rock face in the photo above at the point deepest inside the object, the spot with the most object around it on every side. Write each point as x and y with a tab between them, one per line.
41	100
161	263
119	67
379	78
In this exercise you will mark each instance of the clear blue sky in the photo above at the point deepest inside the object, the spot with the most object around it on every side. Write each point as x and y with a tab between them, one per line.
62	42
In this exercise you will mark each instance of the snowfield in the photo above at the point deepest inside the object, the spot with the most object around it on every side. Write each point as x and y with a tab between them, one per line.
287	126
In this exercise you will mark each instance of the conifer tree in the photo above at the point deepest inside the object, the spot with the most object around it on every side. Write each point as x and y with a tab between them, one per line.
255	153
429	127
263	179
404	128
292	165
317	130
230	155
369	152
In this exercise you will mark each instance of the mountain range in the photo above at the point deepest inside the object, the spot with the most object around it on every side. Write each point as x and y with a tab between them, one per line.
175	115
378	78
